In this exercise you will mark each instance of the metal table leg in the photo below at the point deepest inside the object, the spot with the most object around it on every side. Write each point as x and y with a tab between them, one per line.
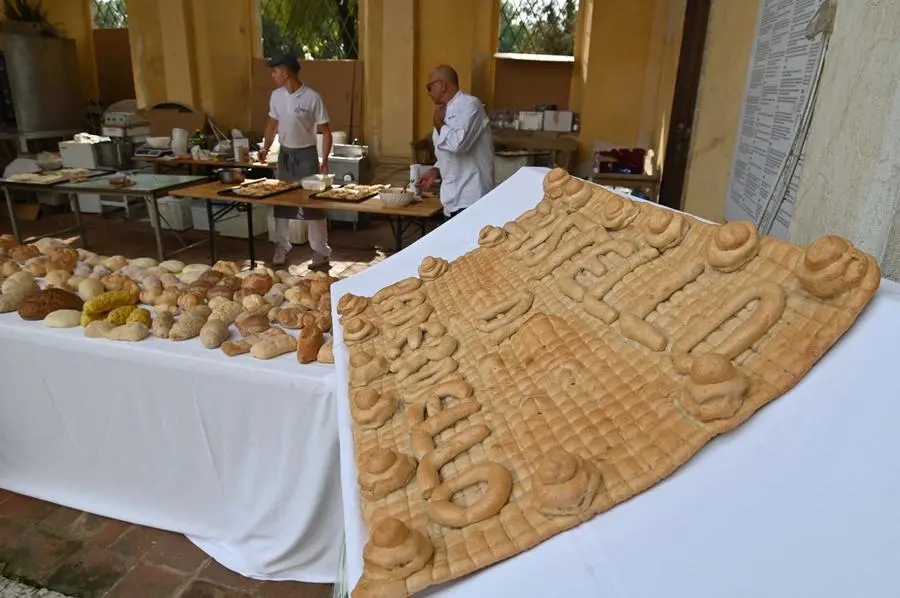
12	214
213	254
422	223
78	221
250	237
157	230
398	232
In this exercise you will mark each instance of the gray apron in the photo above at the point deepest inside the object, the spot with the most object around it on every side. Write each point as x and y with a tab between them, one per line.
293	165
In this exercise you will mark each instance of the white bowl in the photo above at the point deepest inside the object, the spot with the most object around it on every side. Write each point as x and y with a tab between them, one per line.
159	142
395	197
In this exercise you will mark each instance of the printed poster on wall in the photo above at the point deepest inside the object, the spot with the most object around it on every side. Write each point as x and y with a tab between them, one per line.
782	67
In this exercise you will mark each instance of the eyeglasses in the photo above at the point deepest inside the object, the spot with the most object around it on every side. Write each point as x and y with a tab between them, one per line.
430	84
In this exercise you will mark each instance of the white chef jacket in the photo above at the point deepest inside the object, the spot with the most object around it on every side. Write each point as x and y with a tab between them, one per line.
297	114
464	149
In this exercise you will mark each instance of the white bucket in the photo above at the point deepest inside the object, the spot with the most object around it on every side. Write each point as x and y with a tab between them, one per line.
179	142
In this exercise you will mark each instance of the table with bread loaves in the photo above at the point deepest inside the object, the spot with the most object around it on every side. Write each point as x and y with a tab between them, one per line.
186	397
570	402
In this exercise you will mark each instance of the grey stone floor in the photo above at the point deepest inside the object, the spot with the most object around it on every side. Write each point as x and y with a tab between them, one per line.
12	589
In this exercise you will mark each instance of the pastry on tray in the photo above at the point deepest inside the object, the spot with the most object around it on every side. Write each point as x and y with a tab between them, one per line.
583	353
263	187
349	191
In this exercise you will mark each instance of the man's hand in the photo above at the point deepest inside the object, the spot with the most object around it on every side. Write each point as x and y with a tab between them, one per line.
263	154
323	167
426	181
440	113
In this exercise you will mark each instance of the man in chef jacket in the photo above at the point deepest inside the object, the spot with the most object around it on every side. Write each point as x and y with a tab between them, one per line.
462	143
295	113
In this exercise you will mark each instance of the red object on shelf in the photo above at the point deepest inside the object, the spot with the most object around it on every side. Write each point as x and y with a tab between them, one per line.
625	159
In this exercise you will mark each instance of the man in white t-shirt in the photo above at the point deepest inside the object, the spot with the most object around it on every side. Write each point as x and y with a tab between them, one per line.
295	113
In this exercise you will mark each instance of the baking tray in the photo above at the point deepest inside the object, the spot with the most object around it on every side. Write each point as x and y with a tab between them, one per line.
348	200
230	192
90	175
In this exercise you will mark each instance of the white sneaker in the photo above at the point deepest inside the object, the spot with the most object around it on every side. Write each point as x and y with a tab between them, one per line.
280	256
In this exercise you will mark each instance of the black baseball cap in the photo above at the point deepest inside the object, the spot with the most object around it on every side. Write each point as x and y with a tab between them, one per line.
287	59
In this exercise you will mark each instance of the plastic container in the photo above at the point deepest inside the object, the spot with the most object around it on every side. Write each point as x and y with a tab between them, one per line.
241	150
232	225
175	213
179	142
395	197
317	182
159	142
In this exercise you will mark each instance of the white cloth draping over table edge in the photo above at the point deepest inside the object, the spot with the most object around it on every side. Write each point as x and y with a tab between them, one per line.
799	501
237	453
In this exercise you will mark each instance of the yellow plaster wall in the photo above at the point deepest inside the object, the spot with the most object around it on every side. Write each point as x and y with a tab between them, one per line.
74	17
197	52
178	52
462	34
661	73
626	58
145	35
729	44
398	38
225	51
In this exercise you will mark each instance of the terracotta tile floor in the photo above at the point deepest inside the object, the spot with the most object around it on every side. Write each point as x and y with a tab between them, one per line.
113	234
87	556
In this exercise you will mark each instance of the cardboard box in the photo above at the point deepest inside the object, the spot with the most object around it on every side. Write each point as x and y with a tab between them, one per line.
558	120
163	120
175	213
297	230
531	121
234	224
79	155
339	82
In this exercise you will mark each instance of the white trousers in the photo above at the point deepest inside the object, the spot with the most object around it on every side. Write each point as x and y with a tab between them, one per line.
318	237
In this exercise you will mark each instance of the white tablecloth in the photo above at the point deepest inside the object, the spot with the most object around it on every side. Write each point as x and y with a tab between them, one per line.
238	454
800	501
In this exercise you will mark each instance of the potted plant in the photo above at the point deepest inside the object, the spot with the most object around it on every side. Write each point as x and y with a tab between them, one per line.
28	17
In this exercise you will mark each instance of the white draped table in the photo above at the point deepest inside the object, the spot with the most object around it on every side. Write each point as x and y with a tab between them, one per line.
241	455
799	501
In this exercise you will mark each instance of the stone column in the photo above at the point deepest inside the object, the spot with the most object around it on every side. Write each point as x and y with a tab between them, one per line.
198	52
850	183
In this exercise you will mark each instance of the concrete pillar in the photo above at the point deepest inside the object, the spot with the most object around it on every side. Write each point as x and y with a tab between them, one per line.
197	52
462	34
179	56
147	55
850	183
729	45
370	52
225	44
400	42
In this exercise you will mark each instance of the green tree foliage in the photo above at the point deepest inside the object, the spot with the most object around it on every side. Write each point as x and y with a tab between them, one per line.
538	26
110	14
312	29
